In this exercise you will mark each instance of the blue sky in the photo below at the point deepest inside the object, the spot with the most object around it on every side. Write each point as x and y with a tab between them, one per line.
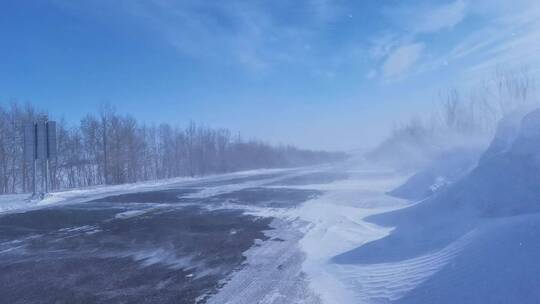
316	73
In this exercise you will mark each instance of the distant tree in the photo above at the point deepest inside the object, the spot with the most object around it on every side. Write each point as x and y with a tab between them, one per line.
112	149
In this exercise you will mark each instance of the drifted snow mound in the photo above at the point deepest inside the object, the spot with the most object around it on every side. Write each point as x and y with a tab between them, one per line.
444	170
507	179
454	164
500	265
490	219
506	133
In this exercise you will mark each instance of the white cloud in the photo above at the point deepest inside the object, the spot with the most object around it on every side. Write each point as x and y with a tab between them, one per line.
508	39
440	18
400	61
382	45
398	52
250	34
258	36
415	19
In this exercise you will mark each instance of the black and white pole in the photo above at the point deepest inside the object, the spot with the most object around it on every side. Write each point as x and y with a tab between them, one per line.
40	145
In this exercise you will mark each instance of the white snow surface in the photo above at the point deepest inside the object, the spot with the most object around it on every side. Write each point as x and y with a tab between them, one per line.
337	226
451	254
294	265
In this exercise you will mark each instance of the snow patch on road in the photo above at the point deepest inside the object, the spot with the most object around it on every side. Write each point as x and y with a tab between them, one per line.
294	265
336	226
130	214
272	272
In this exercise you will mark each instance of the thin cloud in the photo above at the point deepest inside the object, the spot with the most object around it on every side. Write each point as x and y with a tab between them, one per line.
253	35
510	39
249	34
428	19
260	36
503	34
402	50
401	60
441	18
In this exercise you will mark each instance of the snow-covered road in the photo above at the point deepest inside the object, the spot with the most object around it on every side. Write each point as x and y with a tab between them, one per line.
298	268
269	237
180	241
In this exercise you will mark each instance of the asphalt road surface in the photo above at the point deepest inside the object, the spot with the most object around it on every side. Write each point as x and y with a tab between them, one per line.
169	246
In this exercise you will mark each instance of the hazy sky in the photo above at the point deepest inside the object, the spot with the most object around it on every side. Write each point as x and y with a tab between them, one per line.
316	73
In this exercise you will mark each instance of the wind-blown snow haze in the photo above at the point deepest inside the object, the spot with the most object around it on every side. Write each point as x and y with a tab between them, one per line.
270	152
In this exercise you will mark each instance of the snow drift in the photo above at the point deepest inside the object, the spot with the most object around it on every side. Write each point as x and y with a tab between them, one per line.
488	219
447	168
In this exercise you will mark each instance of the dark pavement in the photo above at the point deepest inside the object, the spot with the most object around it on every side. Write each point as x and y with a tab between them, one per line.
163	246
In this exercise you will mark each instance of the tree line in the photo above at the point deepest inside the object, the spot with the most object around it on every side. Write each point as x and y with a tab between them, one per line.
113	148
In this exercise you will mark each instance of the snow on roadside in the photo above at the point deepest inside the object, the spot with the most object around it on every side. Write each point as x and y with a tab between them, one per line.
10	202
19	202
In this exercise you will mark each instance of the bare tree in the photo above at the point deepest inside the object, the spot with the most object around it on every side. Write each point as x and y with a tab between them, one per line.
111	149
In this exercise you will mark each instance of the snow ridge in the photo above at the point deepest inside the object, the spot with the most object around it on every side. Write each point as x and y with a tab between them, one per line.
387	282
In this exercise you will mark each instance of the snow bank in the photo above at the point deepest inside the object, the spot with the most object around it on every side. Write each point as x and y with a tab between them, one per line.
499	265
506	133
15	201
444	170
477	241
507	179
